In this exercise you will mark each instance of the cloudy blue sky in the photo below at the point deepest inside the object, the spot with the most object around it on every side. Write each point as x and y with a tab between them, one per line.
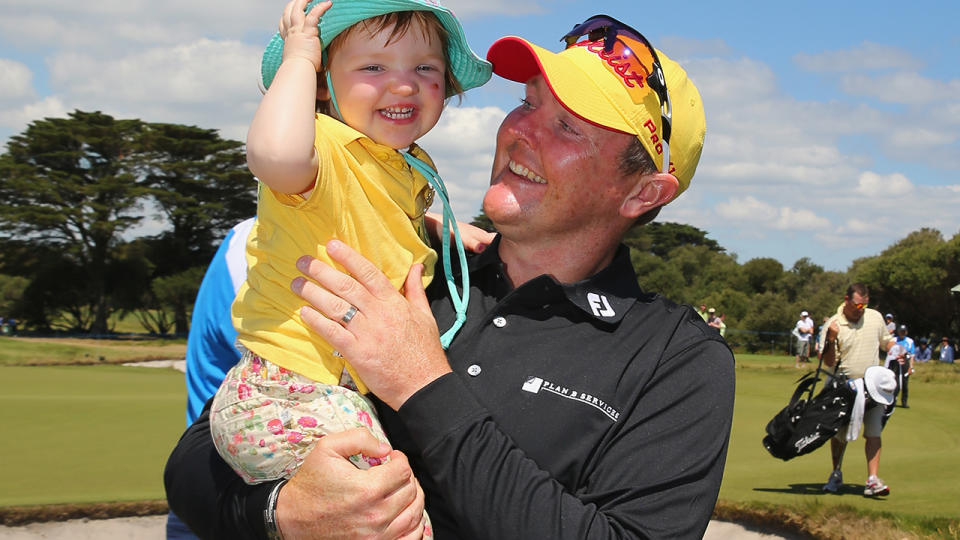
833	128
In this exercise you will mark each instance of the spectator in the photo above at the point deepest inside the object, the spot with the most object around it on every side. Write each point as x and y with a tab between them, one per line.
717	322
702	311
946	350
211	350
803	331
891	326
853	337
901	364
923	351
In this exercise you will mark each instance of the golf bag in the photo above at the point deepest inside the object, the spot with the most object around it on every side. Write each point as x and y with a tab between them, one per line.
808	421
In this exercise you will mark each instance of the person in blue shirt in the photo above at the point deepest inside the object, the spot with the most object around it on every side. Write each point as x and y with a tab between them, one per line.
210	344
902	365
923	351
946	350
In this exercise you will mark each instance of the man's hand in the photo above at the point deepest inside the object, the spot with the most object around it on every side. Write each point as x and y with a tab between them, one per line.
833	331
330	498
391	341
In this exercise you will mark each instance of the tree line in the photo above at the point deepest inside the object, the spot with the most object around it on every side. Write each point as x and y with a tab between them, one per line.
73	190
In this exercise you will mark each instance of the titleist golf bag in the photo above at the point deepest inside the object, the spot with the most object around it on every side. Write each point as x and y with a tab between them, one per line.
808	421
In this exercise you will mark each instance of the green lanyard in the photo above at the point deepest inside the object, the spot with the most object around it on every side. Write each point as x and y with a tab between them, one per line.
460	301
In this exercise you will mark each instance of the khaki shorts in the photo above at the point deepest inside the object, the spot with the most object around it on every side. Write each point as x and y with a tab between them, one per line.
872	423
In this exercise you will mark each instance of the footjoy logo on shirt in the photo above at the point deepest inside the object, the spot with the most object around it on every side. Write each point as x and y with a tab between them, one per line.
600	305
535	385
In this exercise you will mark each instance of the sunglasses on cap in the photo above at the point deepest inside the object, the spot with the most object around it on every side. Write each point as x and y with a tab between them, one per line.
614	32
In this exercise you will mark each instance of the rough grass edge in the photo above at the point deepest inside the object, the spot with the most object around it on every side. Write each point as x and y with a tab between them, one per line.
13	516
824	521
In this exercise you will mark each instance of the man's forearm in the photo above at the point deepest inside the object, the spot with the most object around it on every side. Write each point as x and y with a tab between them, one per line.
206	494
829	355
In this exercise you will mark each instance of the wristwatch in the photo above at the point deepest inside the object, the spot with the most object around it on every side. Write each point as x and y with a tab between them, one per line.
270	513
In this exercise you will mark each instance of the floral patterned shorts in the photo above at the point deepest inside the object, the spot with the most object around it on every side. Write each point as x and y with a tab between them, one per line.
265	419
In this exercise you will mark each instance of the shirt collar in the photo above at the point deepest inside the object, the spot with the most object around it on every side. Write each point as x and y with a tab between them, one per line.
340	131
605	296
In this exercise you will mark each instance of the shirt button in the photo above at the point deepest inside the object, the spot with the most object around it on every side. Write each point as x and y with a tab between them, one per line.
499	322
474	370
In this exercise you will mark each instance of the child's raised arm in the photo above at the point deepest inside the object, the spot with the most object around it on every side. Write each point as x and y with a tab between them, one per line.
280	149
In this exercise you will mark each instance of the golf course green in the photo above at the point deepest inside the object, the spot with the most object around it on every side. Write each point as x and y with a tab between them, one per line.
97	433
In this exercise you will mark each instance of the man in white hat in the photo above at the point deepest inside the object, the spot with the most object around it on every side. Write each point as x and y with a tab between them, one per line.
804	332
852	339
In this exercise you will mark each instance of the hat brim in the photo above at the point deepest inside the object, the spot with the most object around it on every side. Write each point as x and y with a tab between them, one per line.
467	67
871	379
573	83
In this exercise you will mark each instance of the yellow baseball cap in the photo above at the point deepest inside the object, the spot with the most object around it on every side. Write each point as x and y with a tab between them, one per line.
609	88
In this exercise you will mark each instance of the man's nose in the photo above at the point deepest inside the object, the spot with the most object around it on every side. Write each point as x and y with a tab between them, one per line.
522	127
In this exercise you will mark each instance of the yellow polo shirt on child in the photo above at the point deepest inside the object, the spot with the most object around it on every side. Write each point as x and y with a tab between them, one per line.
365	195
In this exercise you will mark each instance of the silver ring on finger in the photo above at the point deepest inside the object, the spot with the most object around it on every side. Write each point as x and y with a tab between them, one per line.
348	316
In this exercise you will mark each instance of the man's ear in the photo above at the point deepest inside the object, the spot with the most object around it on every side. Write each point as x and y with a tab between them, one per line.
651	191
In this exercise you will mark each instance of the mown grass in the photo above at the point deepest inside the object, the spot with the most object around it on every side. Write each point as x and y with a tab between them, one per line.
917	460
87	434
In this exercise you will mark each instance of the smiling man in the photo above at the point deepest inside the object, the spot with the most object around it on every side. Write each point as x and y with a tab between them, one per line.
572	404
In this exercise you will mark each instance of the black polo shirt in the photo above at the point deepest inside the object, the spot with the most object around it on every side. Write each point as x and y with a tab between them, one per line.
586	410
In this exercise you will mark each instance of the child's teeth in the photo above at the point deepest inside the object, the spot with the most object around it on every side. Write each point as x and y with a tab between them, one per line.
398	112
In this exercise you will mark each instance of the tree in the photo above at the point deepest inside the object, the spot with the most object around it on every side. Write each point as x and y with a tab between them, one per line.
912	279
70	184
201	184
763	273
483	221
11	291
660	238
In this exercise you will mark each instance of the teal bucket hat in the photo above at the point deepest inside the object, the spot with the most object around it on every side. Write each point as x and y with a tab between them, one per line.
469	69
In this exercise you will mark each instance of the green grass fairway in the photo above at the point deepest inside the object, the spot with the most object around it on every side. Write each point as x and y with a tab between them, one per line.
78	434
87	433
918	459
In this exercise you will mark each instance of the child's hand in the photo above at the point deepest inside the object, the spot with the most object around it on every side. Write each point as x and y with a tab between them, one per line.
301	36
474	238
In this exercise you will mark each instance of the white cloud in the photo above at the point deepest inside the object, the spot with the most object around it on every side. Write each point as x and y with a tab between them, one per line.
15	120
800	220
746	209
872	184
863	226
749	209
16	81
466	9
866	56
901	87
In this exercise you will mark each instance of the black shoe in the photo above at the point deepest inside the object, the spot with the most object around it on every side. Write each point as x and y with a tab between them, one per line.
905	406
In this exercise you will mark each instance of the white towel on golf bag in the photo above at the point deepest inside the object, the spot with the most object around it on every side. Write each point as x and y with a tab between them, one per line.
856	415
